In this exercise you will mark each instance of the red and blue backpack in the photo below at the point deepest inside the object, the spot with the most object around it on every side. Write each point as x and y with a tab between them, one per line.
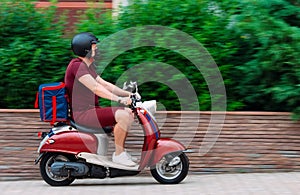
52	101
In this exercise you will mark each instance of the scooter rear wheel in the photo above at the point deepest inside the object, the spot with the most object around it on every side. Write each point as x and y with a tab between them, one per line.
48	176
171	172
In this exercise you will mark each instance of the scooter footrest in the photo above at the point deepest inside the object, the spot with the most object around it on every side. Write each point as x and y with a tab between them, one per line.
104	161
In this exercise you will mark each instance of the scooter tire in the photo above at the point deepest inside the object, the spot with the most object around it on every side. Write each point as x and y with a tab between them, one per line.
46	173
181	174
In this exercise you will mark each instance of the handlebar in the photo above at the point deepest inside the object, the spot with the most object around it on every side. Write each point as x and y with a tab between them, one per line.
134	100
150	106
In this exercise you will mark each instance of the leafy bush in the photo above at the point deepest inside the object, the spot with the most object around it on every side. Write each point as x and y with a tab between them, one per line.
267	70
32	52
255	45
191	17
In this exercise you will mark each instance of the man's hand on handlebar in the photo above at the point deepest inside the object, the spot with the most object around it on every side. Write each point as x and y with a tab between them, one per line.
125	101
138	97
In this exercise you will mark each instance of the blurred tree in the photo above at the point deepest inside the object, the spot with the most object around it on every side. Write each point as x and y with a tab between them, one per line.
32	51
196	18
267	64
254	43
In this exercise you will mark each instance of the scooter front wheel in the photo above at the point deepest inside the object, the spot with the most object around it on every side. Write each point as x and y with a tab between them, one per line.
172	171
48	176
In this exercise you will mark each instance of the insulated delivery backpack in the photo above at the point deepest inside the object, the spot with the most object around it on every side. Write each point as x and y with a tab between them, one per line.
52	101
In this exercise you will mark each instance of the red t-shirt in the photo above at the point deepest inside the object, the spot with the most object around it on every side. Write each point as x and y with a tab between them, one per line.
81	98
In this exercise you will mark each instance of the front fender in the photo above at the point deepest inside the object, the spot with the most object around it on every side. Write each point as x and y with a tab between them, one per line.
165	146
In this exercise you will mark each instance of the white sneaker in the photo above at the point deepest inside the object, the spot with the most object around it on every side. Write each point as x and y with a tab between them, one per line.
134	159
123	159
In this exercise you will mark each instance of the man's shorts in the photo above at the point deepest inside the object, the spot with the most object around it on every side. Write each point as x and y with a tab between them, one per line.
97	117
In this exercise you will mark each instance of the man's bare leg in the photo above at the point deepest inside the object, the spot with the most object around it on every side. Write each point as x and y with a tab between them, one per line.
124	120
120	136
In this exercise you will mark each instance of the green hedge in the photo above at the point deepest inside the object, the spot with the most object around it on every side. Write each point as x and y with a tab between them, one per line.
188	16
32	50
255	45
267	66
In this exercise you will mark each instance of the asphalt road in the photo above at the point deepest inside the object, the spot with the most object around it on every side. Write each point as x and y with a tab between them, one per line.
250	183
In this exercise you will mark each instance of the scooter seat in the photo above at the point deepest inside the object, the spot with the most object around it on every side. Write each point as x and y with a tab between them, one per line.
86	129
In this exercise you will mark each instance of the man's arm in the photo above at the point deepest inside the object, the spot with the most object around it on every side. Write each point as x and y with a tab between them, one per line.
97	88
113	88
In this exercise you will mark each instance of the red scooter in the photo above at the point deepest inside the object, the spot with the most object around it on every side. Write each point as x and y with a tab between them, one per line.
71	151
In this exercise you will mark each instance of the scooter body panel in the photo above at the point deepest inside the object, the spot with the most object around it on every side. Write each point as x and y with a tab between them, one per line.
154	147
72	142
151	135
165	146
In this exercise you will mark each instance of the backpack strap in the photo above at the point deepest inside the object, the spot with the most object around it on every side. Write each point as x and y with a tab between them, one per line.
54	111
36	103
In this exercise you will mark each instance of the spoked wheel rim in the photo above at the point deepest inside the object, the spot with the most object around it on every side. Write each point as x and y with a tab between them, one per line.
50	161
165	171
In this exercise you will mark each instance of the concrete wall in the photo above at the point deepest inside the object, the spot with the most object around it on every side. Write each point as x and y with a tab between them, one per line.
247	142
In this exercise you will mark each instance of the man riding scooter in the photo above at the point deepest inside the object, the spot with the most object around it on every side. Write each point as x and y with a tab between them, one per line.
76	148
84	87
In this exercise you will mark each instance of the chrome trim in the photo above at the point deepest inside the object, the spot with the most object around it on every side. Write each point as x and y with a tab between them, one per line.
188	151
36	161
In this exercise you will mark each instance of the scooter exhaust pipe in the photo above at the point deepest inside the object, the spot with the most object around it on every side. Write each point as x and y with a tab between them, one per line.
65	169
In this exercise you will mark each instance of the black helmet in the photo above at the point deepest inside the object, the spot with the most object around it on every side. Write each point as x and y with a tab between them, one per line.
82	43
